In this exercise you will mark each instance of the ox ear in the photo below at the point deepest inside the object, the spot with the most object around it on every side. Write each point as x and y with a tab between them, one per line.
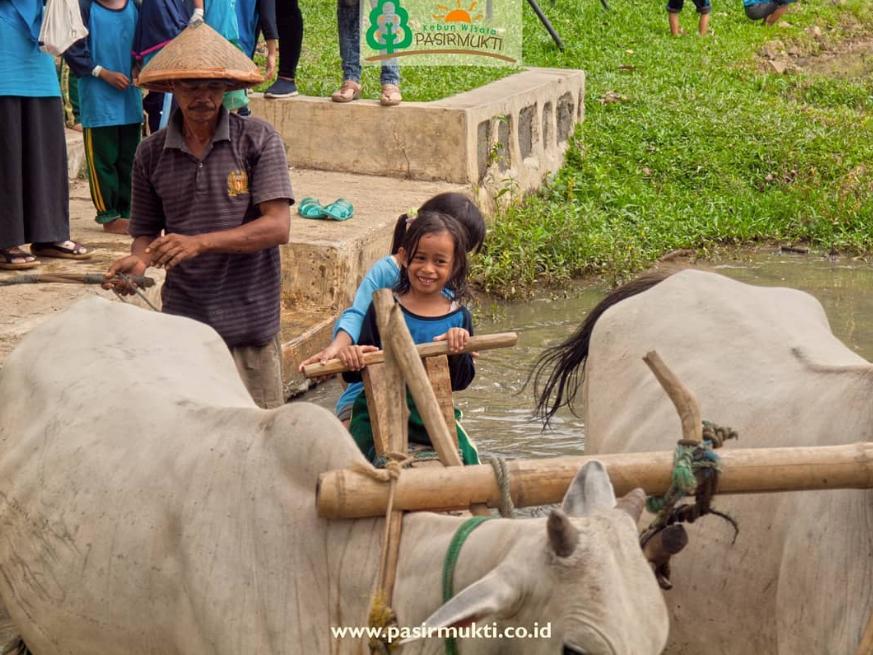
486	597
589	492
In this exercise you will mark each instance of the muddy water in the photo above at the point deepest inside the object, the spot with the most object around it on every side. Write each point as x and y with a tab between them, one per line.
497	411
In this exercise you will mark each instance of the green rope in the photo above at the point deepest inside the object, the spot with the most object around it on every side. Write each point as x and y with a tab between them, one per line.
688	458
451	560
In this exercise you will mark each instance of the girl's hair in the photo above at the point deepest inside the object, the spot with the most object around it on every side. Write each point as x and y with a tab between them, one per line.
456	205
434	223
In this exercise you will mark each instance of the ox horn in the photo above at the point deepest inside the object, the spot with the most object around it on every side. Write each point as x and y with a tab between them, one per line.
660	547
632	503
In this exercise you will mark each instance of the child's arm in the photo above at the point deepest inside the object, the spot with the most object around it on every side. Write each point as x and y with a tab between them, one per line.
461	367
370	341
78	56
197	14
382	275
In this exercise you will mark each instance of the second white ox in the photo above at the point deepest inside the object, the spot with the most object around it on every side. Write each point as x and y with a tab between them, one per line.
799	578
147	506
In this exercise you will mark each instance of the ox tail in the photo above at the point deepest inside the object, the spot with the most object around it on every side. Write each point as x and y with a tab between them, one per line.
560	370
16	647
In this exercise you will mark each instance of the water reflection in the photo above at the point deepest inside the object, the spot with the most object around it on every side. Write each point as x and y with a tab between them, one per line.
497	414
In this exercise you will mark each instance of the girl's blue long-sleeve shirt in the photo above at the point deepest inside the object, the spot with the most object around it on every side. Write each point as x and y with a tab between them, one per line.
423	330
384	274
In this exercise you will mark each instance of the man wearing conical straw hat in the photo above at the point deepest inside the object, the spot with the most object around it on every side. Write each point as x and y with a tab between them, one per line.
216	185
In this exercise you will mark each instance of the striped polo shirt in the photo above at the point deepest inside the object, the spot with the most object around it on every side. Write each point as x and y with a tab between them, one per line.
173	191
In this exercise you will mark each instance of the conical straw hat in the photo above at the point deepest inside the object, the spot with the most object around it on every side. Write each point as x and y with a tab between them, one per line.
199	53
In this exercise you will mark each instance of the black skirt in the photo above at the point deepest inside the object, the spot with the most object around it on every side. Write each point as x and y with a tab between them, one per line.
34	191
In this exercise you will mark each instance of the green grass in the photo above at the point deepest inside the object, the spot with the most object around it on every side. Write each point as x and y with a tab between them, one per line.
706	149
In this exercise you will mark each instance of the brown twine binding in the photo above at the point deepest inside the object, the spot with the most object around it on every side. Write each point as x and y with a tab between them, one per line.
381	614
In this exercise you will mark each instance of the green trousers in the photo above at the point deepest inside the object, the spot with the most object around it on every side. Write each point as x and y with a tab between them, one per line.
109	153
362	431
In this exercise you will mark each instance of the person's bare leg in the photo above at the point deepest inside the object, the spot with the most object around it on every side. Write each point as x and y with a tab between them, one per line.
703	24
118	226
776	15
675	28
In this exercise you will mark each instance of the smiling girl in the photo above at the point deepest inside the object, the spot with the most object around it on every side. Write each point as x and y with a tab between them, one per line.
433	258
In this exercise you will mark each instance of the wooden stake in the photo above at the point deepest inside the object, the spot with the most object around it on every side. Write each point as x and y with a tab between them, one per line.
391	395
441	382
683	398
397	337
475	344
348	494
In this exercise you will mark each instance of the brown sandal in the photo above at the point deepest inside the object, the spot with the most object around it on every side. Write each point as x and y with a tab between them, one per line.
350	90
61	250
390	95
9	255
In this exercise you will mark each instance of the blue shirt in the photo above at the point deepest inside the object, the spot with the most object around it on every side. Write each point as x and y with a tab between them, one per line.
110	41
24	69
220	15
384	274
423	330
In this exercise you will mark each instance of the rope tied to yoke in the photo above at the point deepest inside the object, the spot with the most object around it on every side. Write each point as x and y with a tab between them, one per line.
696	468
382	614
501	473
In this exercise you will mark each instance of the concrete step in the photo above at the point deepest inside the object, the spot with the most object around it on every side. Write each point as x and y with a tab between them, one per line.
507	135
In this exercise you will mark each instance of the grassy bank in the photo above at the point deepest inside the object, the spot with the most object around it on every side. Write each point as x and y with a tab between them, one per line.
704	145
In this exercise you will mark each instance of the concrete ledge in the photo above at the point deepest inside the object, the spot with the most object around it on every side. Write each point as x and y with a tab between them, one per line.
512	132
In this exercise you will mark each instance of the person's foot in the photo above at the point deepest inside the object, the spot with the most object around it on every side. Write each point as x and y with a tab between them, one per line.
350	90
118	226
390	95
15	259
60	249
281	88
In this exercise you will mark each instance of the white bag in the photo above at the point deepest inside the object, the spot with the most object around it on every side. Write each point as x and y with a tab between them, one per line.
62	26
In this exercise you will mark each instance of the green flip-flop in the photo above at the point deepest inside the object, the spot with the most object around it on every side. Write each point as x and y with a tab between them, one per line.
311	208
340	210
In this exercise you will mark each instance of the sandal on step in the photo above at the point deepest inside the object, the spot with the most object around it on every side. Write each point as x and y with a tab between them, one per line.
61	250
350	90
390	95
9	255
339	210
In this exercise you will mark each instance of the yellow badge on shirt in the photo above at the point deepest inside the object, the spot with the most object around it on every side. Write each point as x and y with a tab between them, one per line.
237	183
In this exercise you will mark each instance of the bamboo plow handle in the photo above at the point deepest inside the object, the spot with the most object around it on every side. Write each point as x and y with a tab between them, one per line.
683	398
349	494
475	344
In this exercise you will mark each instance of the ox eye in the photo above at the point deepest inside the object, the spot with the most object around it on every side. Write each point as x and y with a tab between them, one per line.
572	650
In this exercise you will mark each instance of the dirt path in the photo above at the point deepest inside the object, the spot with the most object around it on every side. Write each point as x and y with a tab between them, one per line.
22	307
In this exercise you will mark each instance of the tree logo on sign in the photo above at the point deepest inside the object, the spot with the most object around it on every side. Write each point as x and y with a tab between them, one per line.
389	27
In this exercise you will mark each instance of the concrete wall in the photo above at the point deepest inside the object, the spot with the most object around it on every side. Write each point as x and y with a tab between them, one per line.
504	136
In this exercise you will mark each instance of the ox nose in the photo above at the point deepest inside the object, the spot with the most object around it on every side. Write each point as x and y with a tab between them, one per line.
572	650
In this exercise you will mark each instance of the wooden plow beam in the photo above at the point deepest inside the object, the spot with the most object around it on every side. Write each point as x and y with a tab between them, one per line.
349	494
475	344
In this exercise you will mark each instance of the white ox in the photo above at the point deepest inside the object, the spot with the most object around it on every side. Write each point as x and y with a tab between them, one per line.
147	506
799	579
